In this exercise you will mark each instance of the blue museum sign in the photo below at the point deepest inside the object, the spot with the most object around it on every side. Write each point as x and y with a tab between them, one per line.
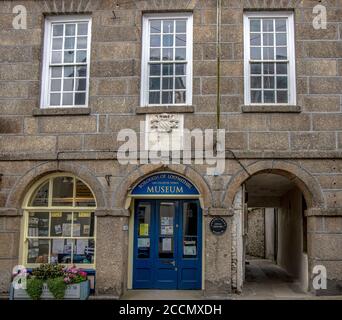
165	184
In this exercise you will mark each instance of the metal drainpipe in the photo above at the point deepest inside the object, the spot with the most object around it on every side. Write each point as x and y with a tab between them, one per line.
218	53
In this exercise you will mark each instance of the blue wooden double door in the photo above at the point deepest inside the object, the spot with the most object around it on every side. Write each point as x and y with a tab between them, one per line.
167	244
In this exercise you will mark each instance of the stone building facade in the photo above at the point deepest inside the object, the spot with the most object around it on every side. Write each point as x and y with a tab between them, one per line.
300	142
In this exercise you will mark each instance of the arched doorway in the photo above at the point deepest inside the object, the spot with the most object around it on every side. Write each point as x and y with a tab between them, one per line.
271	236
166	238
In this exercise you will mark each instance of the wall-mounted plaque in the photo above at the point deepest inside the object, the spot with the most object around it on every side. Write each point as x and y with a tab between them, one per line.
218	225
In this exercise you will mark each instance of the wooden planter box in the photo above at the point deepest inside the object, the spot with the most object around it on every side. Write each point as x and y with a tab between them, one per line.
77	291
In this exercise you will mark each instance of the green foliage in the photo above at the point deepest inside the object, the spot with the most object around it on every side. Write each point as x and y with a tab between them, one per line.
57	287
34	288
48	271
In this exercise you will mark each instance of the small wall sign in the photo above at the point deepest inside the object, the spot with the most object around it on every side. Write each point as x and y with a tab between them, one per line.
218	225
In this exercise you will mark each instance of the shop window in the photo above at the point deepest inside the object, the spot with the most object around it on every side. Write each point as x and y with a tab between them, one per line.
60	223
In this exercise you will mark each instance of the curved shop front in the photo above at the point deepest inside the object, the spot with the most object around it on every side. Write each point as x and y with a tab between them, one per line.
166	239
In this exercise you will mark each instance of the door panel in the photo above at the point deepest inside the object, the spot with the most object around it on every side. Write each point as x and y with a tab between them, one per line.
167	244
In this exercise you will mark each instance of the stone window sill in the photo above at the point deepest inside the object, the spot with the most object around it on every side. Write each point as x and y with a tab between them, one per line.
61	111
281	108
165	109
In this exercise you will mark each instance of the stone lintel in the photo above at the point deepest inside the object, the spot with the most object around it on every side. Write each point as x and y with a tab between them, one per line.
220	212
325	212
115	212
10	212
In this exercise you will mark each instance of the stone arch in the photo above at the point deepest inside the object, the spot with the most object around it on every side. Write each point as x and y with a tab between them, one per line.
120	195
24	183
300	177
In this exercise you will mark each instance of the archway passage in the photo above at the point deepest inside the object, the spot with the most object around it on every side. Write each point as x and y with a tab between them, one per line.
275	237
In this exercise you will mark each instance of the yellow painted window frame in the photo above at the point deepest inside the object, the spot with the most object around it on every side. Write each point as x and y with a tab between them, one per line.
72	209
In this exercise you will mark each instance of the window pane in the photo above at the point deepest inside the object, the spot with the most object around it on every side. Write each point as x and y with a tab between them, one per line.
168	40
56	57
180	96
180	69
80	99
155	26
84	251
268	39
83	224
167	54
180	83
155	41
255	82
81	56
55	99
82	29
154	98
38	224
181	54
155	54
280	25
69	43
84	196
281	39
180	40
255	96
181	26
282	96
267	25
58	30
56	72
155	69
255	39
255	53
167	83
68	72
167	97
38	251
269	82
68	99
168	69
154	83
70	29
255	25
62	191
68	85
68	56
57	43
167	212
81	71
268	53
255	68
190	230
56	85
61	250
82	43
268	68
282	82
61	224
281	53
269	96
281	68
144	226
81	84
40	197
168	26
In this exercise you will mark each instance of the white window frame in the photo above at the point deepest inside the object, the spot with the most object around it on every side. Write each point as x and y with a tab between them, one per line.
45	82
291	55
144	96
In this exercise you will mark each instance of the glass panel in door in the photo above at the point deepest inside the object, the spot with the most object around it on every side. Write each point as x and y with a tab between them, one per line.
167	212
